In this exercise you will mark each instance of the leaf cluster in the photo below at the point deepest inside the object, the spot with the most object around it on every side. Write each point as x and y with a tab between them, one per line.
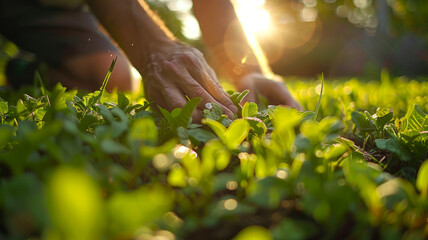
104	165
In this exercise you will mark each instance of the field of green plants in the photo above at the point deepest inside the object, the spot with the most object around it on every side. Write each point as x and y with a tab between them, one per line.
103	165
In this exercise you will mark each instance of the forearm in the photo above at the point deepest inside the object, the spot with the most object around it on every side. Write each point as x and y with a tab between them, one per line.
134	27
224	36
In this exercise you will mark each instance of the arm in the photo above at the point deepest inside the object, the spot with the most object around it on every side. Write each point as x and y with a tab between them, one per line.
225	38
170	70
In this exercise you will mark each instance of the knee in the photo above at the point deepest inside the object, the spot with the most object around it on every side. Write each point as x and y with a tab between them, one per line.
89	72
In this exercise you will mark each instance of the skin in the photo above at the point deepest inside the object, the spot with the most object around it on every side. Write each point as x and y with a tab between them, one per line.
171	70
225	30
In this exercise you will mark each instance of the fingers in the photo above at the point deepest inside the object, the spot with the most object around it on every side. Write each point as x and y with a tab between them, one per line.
205	76
284	97
275	92
170	94
192	88
173	97
213	88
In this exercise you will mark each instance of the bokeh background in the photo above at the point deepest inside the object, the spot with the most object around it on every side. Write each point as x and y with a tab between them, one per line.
334	37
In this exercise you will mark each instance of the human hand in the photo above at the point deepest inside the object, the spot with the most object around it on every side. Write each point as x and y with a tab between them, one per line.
274	91
178	71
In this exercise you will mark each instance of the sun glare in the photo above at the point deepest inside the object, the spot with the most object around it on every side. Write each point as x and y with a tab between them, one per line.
252	15
254	19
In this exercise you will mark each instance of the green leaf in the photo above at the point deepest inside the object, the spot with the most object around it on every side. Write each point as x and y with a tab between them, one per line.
217	127
192	164
415	119
177	176
200	135
249	109
268	192
291	229
4	108
186	113
284	121
122	100
75	205
395	146
382	121
319	99
144	130
254	233
106	78
237	97
94	98
119	127
232	136
236	133
216	112
106	113
129	211
380	112
257	126
391	193
422	179
215	156
6	133
169	118
361	121
111	147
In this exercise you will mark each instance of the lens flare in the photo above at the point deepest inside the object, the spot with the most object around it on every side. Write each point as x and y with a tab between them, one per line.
254	18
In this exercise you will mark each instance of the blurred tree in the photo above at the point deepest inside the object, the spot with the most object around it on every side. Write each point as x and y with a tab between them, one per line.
348	37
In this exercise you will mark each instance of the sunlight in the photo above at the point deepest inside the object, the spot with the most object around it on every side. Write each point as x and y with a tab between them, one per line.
254	18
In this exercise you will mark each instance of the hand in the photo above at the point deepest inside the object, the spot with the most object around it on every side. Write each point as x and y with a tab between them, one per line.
274	91
178	71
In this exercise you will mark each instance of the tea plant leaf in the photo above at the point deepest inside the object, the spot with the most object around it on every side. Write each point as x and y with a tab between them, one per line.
143	130
236	133
6	133
319	99
395	146
169	118
75	204
177	176
186	113
415	119
254	233
98	94
111	147
122	101
257	126
237	98
217	127
4	108
422	179
249	109
232	136
131	210
200	135
361	122
215	112
215	156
